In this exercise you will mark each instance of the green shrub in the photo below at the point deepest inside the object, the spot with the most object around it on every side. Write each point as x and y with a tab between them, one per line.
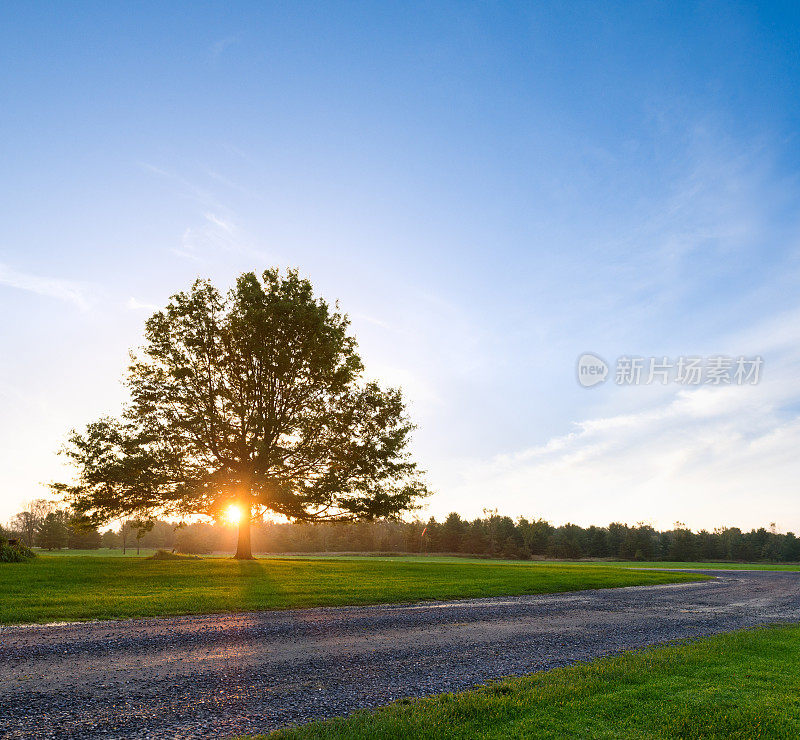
14	552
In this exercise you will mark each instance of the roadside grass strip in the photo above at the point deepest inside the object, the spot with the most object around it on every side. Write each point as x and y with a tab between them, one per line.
743	684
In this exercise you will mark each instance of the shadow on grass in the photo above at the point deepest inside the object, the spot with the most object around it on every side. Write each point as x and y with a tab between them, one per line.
257	587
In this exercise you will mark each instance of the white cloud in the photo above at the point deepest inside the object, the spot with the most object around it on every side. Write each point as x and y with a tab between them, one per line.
217	229
708	456
220	223
218	47
136	305
65	290
213	235
415	386
370	320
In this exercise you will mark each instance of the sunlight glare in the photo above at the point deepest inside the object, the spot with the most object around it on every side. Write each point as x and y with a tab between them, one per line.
233	514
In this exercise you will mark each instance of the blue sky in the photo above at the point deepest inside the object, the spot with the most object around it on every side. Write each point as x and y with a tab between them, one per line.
489	190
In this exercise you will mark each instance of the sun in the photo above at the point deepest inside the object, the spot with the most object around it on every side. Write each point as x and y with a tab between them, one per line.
233	514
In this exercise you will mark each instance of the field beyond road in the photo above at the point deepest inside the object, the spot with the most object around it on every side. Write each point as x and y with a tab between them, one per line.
66	588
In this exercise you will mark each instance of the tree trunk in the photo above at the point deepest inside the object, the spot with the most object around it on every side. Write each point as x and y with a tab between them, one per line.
243	550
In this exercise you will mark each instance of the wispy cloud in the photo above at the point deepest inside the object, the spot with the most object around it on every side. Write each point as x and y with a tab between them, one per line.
65	290
704	456
218	47
216	234
220	223
200	195
137	305
725	199
217	229
370	320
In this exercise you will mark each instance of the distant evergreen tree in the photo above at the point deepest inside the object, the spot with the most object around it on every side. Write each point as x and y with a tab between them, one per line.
110	539
83	539
53	532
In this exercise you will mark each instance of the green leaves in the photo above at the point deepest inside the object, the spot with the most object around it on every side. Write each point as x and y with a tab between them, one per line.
255	396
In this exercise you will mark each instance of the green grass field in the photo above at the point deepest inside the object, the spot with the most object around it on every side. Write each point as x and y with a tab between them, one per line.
147	552
710	566
63	587
598	563
738	685
101	552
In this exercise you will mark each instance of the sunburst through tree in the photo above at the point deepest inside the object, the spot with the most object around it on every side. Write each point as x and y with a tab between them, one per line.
244	403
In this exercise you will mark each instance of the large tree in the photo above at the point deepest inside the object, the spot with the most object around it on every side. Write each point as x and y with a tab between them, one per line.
254	399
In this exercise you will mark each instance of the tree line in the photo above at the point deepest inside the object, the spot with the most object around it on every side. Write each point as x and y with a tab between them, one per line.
42	525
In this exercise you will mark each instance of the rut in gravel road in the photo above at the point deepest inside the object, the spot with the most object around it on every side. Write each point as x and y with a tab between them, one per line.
221	675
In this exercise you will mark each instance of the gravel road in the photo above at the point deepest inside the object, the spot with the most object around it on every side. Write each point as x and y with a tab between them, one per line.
220	675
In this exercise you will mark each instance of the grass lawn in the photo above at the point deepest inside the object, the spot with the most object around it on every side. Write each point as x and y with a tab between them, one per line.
739	685
597	563
101	552
147	552
63	587
710	566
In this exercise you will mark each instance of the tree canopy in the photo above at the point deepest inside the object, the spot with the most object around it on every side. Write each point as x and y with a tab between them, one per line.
256	398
